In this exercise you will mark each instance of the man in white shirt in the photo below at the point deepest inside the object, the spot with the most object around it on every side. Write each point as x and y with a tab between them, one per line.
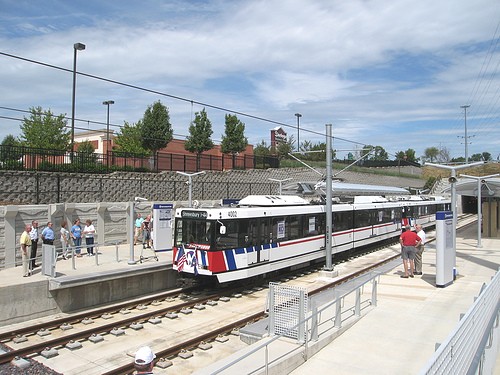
34	243
420	249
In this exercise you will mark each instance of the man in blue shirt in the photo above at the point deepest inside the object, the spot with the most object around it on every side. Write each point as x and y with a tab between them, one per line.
48	234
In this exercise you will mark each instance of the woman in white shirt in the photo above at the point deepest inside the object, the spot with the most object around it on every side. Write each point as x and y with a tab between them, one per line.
88	232
64	240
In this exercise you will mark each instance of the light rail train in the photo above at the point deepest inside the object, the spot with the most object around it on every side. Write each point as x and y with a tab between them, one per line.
264	234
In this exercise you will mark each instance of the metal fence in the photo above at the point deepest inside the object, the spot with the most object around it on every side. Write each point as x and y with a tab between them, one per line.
27	158
463	352
319	325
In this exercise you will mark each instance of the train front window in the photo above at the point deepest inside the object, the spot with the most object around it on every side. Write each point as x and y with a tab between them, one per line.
194	232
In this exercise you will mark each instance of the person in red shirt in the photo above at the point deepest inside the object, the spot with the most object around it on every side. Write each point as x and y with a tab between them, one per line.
409	241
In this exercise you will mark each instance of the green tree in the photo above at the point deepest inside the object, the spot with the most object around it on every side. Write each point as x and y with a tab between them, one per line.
44	130
261	149
400	155
128	140
234	140
282	149
86	153
366	150
431	153
410	155
199	139
476	157
156	130
487	156
376	152
319	152
10	149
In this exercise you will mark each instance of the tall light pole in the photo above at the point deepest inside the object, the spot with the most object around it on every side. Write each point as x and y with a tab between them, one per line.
107	103
298	130
76	47
466	138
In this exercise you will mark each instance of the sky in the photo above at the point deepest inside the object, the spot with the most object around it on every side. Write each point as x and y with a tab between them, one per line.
385	73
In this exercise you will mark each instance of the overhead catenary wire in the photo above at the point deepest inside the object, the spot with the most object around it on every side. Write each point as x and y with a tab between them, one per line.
171	96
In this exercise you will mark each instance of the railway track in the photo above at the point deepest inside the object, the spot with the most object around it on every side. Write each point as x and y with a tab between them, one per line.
54	336
150	312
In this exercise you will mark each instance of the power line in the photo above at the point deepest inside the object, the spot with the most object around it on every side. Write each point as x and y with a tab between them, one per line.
207	105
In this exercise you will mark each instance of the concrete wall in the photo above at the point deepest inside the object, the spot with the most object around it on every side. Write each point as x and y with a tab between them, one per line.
41	298
105	198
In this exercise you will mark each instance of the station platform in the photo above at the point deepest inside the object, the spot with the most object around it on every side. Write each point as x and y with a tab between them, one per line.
400	334
88	282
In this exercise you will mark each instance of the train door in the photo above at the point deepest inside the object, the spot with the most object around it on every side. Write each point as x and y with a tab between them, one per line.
266	239
251	241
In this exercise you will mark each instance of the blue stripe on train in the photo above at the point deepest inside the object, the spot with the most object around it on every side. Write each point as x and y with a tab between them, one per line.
203	255
231	263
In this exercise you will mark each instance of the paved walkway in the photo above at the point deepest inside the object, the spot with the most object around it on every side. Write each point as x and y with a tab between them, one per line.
412	315
109	258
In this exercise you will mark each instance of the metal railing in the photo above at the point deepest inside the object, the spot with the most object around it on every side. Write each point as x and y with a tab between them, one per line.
320	325
463	352
28	158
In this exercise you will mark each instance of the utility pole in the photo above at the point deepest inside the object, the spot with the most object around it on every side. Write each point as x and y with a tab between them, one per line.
298	131
466	137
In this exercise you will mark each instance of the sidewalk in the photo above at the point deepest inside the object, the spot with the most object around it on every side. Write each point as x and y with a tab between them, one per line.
114	257
400	334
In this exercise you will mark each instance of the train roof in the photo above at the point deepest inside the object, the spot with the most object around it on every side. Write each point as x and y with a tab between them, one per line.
272	201
343	188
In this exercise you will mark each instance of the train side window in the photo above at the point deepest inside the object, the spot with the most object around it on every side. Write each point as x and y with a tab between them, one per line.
362	218
342	220
264	231
279	231
294	226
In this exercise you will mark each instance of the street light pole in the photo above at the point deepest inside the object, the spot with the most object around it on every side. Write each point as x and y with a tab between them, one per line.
466	138
298	130
76	47
107	103
190	184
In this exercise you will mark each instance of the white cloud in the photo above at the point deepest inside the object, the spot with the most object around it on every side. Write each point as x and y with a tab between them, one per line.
373	69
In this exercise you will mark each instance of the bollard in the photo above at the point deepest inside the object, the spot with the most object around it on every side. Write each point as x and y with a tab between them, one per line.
73	261
116	249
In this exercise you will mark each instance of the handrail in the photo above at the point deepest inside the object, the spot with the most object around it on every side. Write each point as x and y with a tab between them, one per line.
462	352
314	317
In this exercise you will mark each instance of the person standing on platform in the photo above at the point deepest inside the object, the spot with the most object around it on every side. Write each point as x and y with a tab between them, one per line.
144	360
76	235
138	228
408	240
64	239
34	243
146	232
88	232
420	249
25	242
48	234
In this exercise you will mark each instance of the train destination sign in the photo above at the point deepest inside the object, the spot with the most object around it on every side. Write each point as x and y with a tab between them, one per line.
194	214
